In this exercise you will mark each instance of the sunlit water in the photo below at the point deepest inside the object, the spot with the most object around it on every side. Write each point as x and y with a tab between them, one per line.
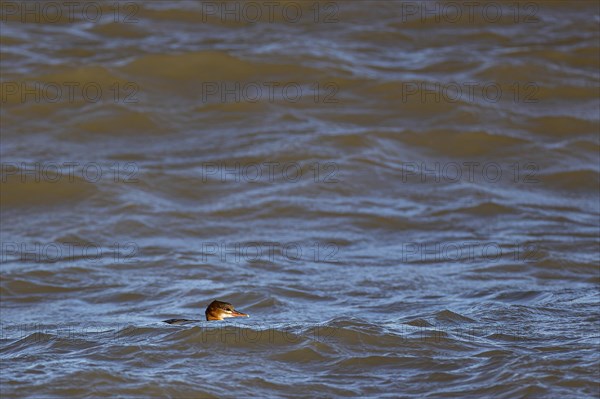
405	203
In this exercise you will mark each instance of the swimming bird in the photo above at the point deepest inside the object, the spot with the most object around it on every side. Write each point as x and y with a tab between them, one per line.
217	310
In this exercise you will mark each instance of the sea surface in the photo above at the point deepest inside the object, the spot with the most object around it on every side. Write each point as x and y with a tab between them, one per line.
404	196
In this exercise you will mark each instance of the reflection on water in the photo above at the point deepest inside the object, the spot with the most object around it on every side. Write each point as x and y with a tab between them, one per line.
402	195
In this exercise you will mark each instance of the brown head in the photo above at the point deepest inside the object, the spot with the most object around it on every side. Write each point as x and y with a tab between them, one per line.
218	310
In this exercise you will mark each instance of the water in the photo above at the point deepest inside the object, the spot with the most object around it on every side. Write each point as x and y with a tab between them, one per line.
406	206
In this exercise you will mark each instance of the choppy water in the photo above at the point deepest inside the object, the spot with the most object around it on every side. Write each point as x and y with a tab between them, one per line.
404	197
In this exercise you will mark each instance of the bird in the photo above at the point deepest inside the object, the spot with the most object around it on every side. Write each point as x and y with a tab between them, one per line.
217	310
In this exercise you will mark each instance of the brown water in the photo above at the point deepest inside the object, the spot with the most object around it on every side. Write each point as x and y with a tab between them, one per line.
404	197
